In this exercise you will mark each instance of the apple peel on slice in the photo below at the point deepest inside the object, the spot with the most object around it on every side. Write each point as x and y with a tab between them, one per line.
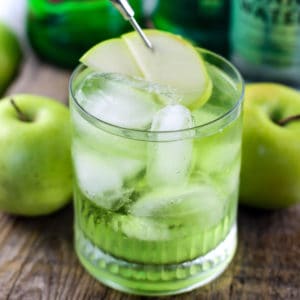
174	63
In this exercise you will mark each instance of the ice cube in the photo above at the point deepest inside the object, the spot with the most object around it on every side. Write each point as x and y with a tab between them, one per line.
101	177
127	167
144	229
169	162
171	118
98	138
198	204
118	99
97	178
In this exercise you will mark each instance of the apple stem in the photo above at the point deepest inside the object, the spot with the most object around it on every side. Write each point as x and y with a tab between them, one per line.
21	115
287	120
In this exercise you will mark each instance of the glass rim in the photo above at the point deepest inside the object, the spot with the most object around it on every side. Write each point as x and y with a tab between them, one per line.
119	130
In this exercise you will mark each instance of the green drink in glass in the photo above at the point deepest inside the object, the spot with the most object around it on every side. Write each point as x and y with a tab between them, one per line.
156	177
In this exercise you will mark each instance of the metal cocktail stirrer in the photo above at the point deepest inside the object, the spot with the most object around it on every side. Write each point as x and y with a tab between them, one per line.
128	13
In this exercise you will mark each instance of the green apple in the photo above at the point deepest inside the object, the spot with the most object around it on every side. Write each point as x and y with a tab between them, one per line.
10	56
270	174
35	162
174	62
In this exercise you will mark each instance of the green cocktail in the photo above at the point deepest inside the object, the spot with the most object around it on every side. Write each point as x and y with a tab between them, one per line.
156	192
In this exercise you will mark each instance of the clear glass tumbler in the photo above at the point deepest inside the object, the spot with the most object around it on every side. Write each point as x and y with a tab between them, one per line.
155	212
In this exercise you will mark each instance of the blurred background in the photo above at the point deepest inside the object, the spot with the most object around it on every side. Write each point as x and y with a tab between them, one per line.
262	38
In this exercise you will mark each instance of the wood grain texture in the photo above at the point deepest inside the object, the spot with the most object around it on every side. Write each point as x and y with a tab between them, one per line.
37	260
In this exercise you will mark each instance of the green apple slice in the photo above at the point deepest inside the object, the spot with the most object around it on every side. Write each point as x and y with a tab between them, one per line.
112	56
174	63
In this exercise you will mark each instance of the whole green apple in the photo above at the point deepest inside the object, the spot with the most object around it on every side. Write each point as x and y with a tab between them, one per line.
35	159
10	56
270	174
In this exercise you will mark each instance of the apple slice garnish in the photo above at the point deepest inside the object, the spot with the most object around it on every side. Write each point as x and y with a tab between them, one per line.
174	63
111	56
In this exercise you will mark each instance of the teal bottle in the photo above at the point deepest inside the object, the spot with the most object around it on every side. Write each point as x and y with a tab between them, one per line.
60	31
265	39
205	22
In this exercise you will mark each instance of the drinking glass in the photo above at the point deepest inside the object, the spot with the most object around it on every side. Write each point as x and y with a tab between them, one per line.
155	212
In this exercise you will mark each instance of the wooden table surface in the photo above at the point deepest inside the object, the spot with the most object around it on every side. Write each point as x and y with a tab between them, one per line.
37	260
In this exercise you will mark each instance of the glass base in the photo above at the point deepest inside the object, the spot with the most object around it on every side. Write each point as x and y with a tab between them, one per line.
155	280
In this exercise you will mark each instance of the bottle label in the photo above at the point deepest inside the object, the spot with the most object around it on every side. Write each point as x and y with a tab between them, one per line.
276	12
267	31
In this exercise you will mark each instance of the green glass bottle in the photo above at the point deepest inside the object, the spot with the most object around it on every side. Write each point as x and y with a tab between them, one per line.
60	31
265	39
203	21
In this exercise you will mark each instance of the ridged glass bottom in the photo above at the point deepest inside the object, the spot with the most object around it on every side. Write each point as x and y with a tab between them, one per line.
142	279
